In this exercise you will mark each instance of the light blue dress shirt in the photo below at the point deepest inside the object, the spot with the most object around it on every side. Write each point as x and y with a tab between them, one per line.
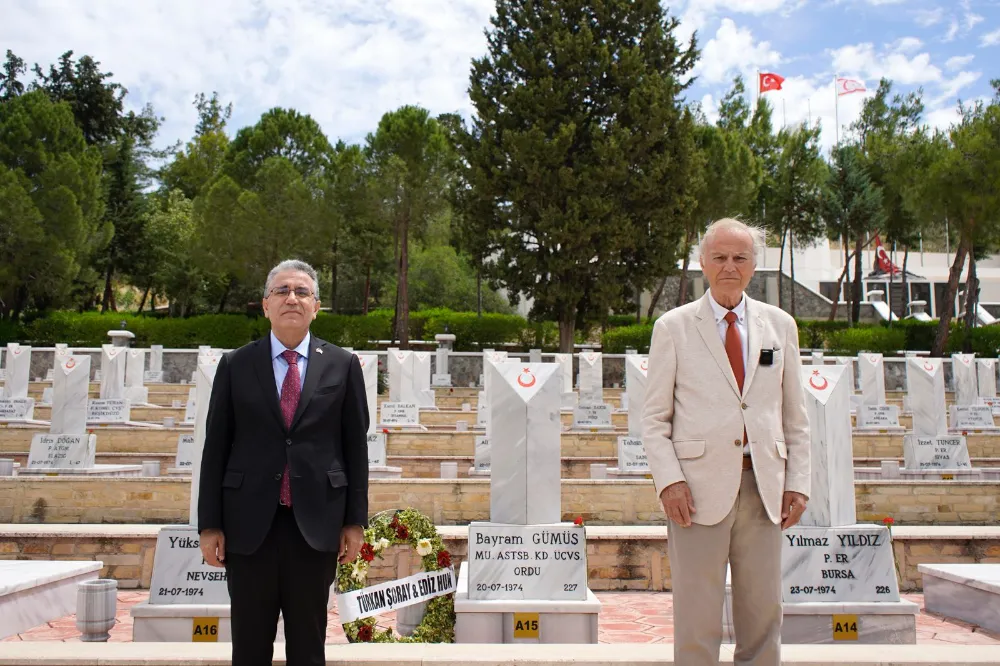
280	365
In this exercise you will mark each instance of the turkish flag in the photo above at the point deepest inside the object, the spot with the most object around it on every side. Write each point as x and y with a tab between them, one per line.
770	81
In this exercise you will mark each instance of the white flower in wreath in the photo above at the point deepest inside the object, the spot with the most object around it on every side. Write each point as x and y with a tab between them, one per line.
381	545
424	547
359	570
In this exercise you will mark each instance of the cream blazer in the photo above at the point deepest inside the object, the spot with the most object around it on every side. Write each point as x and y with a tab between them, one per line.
694	414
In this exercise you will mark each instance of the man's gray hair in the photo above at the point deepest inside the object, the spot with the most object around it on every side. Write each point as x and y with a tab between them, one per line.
292	265
757	235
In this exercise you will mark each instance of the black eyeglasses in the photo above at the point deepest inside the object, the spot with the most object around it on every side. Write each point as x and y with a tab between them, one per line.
301	293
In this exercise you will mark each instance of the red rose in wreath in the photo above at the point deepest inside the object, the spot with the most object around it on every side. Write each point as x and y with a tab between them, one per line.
367	552
402	532
444	559
365	633
394	523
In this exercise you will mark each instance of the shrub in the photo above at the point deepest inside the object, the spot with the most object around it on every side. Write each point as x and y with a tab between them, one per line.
637	336
473	332
852	341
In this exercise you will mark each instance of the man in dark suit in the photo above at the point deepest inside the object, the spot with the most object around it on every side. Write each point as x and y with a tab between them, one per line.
283	495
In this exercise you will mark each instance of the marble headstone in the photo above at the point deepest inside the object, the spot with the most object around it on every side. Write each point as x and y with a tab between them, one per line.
50	451
565	362
113	372
635	387
925	390
369	370
524	417
481	459
70	388
872	371
185	452
17	371
971	417
204	378
828	401
401	376
490	358
986	377
422	380
156	358
935	453
591	378
61	352
963	373
135	369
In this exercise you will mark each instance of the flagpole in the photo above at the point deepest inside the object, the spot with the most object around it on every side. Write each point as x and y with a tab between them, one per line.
756	91
836	113
782	112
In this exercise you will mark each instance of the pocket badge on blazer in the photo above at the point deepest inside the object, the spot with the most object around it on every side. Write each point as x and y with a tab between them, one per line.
767	356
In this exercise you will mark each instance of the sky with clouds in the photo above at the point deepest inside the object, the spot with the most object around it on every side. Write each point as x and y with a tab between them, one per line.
346	62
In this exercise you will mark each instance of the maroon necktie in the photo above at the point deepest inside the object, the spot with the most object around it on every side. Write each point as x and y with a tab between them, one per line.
290	390
734	350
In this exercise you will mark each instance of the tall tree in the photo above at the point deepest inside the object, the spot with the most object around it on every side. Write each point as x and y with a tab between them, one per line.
412	157
578	146
10	85
194	168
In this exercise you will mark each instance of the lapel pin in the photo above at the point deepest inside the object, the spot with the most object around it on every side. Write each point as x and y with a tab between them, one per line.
318	350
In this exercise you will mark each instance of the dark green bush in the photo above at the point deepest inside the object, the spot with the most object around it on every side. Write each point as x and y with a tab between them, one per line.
813	333
620	320
637	336
473	332
851	341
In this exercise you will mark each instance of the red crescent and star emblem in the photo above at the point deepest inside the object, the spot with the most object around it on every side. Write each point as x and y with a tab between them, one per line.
361	360
928	366
71	363
873	358
815	385
966	360
526	383
17	350
399	357
644	366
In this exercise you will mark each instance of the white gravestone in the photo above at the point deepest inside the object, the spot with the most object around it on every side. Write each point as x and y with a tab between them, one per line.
156	358
62	451
135	369
70	388
481	459
491	358
61	352
632	456
185	452
524	417
109	411
925	390
986	377
422	380
376	449
591	378
191	405
963	374
635	388
592	416
204	379
113	371
831	502
17	372
935	453
401	376
17	409
971	417
400	414
565	363
369	371
872	371
878	417
441	376
482	410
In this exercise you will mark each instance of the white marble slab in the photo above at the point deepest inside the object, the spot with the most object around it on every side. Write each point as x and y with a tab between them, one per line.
113	371
964	378
191	405
635	390
971	417
17	371
986	377
204	379
481	459
591	378
369	370
935	453
404	414
967	592
849	563
185	452
17	409
33	592
108	410
376	449
99	469
156	358
632	457
401	387
828	401
872	372
70	389
565	362
527	561
925	390
180	575
67	451
526	430
592	415
878	416
422	380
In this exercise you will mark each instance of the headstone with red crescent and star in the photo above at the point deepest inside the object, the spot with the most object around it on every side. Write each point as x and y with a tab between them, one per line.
986	377
525	455
871	368
828	400
591	378
113	372
422	380
963	377
17	371
925	390
401	376
635	388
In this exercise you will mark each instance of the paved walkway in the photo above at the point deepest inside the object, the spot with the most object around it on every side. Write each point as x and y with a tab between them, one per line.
626	617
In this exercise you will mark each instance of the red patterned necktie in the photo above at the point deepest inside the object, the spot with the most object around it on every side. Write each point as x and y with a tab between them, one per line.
734	350
290	390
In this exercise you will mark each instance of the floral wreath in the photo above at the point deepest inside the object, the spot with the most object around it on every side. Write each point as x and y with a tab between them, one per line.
389	528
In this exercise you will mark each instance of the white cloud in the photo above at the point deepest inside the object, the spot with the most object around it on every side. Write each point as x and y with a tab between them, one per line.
905	44
863	59
990	39
958	62
696	13
344	63
952	86
928	17
732	50
952	31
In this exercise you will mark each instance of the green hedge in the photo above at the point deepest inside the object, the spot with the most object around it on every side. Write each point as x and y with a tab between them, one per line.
637	336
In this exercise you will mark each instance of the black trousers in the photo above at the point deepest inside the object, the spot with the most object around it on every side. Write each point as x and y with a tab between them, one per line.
285	574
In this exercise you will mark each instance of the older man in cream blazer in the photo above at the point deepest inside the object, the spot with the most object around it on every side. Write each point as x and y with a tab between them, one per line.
727	437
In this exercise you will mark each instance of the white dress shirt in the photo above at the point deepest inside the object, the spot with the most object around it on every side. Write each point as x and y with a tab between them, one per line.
741	325
280	365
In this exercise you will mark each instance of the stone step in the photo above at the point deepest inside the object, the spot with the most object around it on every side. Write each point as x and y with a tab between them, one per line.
574	444
401	654
629	557
64	499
